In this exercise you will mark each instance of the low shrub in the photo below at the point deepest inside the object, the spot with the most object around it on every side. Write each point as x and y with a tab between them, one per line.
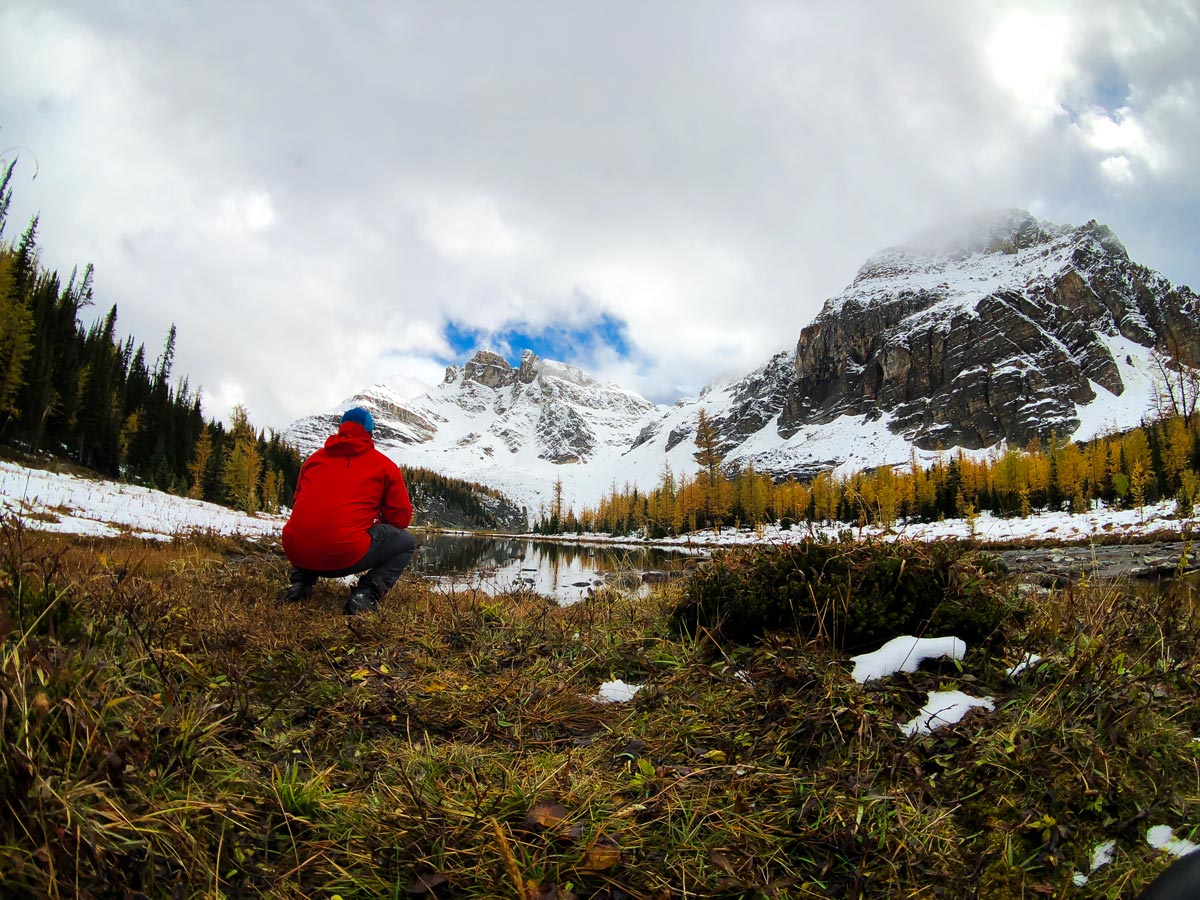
848	593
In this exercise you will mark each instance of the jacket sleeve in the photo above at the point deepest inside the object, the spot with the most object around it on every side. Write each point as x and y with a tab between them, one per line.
396	508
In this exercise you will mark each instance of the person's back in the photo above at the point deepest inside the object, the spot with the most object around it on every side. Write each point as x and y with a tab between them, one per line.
349	513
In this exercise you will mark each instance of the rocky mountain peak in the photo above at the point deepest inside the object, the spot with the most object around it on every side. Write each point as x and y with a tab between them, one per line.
529	367
1004	233
999	329
488	368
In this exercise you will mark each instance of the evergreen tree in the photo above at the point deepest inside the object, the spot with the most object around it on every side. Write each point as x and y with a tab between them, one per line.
198	468
6	194
16	327
243	464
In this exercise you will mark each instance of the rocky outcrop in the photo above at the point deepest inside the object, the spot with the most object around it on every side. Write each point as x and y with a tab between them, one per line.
490	369
563	435
755	402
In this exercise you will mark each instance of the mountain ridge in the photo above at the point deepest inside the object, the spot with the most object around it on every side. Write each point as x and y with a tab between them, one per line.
1000	329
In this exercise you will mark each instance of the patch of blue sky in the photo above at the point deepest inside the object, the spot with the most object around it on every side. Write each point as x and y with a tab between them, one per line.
462	339
1108	90
600	336
1111	89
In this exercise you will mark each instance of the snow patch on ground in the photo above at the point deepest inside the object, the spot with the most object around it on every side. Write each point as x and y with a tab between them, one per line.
904	654
617	692
944	708
1027	661
1161	837
1102	855
69	504
1043	525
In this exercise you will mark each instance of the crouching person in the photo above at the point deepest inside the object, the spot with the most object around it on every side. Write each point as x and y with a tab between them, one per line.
349	516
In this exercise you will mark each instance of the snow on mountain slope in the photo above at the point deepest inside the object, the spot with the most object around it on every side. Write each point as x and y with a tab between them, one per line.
514	429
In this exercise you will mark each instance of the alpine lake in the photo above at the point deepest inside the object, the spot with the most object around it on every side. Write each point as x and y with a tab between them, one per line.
570	571
566	571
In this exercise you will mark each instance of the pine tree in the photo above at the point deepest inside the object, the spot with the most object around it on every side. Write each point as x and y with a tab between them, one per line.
16	327
242	464
198	468
272	482
707	442
6	194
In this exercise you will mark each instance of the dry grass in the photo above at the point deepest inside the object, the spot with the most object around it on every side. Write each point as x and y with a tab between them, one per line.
169	729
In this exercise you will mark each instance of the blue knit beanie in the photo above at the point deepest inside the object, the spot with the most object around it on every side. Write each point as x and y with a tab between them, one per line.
361	416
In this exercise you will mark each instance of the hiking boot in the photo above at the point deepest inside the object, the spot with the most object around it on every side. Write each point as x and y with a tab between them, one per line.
297	591
361	600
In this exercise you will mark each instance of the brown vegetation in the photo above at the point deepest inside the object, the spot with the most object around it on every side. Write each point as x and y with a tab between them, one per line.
168	729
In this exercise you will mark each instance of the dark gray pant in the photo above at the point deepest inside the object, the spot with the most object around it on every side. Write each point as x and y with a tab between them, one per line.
390	553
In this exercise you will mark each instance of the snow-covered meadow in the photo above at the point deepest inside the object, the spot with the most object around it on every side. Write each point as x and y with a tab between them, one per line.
71	504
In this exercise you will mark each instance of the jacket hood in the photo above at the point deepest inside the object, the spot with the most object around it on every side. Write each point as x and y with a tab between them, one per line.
351	440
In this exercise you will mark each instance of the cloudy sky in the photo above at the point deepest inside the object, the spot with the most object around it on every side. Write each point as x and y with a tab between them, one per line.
325	195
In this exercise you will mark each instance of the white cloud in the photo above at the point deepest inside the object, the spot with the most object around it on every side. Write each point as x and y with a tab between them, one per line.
707	175
462	229
246	213
1117	169
1118	133
1030	57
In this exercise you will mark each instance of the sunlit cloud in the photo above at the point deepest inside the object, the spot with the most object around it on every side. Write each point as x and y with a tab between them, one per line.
1029	55
1117	169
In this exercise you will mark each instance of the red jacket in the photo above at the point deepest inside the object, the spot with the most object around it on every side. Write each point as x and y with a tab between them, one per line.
343	489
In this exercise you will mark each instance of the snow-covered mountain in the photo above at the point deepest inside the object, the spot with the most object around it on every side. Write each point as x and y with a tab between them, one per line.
1003	328
514	429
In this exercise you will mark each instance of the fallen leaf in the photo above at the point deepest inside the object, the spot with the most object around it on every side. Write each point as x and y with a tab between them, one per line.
545	814
603	854
569	832
549	816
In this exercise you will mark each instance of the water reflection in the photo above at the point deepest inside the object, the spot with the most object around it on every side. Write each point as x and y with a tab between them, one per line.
563	571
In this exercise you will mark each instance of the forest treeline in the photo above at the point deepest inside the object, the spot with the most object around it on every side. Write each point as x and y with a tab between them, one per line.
480	505
1155	461
81	392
